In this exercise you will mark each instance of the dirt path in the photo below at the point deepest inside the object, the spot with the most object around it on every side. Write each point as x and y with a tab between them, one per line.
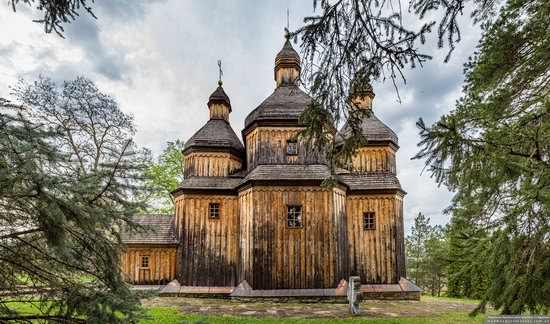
427	307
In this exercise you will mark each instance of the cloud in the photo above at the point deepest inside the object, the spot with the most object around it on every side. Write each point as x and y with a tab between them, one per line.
158	60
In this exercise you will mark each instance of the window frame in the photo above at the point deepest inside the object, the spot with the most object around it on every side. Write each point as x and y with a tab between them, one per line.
369	221
288	145
146	259
214	209
293	212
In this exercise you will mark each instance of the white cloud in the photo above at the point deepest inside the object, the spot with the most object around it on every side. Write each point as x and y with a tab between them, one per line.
158	59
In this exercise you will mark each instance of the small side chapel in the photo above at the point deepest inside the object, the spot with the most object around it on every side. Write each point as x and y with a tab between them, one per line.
253	219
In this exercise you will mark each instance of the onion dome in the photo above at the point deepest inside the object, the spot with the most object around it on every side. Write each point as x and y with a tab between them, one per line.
217	132
287	65
219	96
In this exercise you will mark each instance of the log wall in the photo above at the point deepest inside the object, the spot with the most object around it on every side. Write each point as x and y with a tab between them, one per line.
276	257
374	159
268	145
208	247
203	164
378	255
161	269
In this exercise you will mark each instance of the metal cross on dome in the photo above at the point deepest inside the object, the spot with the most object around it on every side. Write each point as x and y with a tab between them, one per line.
220	72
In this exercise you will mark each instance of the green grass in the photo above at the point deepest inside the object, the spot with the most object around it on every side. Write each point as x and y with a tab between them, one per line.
475	301
172	315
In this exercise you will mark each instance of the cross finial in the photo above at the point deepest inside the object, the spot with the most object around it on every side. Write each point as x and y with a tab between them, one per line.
287	29
220	82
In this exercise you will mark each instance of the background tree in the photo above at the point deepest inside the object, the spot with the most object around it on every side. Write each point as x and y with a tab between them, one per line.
163	176
494	151
353	42
416	248
69	175
426	250
56	13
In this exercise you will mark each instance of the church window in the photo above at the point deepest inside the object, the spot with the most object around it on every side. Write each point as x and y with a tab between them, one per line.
369	221
144	261
294	217
214	210
291	147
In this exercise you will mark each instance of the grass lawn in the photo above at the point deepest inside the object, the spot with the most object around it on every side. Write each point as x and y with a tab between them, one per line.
173	315
404	313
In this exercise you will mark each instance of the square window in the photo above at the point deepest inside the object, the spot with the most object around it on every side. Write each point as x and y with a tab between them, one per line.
291	147
369	222
144	261
214	210
294	217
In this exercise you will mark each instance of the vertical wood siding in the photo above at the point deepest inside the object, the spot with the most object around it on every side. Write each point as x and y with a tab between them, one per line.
276	257
208	247
374	159
267	145
162	265
376	255
201	164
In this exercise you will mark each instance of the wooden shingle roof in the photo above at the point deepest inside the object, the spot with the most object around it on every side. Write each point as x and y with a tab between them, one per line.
288	172
371	181
373	129
215	133
209	183
161	230
285	103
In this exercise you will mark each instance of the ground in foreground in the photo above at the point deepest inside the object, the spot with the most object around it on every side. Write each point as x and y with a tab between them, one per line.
428	310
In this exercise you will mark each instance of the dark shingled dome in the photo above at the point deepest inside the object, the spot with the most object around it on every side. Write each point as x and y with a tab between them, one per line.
216	133
287	55
286	102
219	95
373	129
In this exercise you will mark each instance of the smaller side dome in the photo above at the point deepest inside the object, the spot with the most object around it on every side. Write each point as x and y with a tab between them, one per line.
361	95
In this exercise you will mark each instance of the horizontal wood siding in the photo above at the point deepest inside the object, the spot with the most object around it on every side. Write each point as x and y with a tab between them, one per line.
276	257
268	145
376	255
208	247
202	164
374	159
162	265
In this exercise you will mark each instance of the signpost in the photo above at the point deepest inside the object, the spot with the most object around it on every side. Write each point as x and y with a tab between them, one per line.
354	295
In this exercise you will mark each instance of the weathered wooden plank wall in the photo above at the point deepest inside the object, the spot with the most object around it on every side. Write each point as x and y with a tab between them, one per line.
219	164
374	159
161	269
268	145
208	248
377	256
276	257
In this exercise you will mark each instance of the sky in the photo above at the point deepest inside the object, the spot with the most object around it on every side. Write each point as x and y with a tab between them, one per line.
158	60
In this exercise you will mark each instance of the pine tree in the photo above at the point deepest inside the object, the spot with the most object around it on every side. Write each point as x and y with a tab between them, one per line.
494	151
69	173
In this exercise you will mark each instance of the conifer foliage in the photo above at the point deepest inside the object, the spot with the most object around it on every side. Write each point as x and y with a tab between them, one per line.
68	174
494	151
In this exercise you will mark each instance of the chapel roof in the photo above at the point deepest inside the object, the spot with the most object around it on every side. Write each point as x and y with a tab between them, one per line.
215	133
160	230
373	129
285	103
288	172
209	183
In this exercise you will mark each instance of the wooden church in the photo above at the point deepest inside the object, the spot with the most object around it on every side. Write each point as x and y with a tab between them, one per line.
253	219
